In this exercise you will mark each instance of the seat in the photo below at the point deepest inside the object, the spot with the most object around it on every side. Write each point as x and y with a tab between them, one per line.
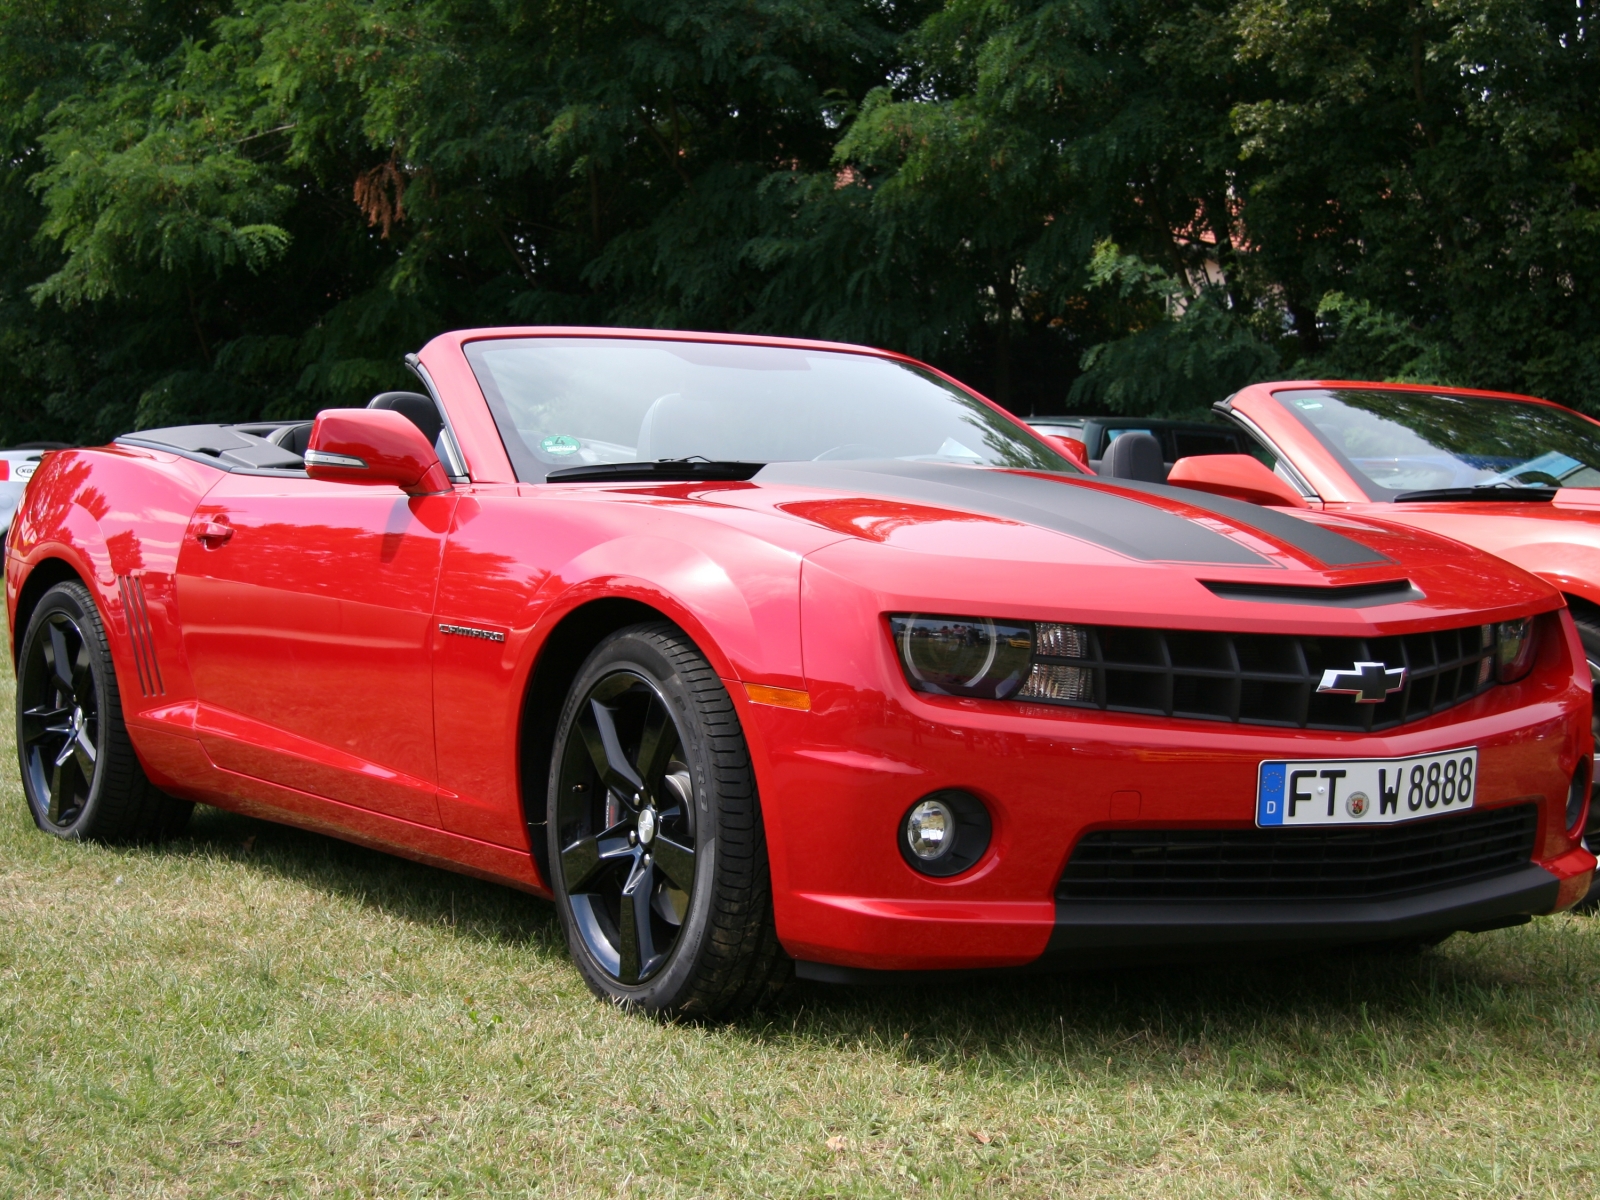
293	438
420	410
1134	455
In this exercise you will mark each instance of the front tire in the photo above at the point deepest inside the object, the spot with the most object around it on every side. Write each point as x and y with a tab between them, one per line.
1589	633
79	771
657	858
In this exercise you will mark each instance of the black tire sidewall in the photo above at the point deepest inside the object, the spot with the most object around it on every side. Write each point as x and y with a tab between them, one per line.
638	650
75	601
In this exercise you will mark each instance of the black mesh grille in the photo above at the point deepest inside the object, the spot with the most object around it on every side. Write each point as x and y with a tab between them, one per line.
1270	679
1331	862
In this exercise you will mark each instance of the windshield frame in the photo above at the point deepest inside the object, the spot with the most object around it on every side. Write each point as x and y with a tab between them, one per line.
1371	490
528	469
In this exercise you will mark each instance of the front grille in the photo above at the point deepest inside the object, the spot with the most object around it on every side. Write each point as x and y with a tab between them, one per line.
1258	678
1320	863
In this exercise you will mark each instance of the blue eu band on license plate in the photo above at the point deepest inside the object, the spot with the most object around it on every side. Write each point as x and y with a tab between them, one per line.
1366	791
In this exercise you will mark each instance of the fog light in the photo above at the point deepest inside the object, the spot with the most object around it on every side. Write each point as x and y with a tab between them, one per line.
945	833
1578	798
930	830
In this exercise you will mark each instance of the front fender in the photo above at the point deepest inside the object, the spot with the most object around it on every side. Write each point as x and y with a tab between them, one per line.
749	632
1570	566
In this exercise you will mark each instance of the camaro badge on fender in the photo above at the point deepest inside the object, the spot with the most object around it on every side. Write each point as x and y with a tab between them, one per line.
488	635
1369	682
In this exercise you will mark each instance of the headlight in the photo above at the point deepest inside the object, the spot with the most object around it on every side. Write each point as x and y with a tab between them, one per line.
993	660
1514	648
964	656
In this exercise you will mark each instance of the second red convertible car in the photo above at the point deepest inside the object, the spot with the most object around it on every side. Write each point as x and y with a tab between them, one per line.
763	656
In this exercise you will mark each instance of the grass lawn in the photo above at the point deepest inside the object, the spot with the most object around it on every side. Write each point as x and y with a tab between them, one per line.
257	1011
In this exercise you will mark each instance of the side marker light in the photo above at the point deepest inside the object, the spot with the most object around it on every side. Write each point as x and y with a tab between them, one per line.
778	697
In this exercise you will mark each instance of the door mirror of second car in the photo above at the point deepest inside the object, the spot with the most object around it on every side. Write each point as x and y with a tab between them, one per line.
373	446
1071	447
1237	476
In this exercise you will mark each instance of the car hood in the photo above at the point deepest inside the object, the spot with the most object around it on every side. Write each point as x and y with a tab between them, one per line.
1558	541
1037	542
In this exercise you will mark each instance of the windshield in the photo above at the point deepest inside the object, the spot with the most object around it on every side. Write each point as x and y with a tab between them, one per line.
1394	442
567	402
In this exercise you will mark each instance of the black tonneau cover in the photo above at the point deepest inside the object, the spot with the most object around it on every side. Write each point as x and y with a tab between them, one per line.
253	446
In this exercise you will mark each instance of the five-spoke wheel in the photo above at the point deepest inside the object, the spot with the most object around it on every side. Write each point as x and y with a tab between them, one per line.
657	858
625	806
58	718
79	769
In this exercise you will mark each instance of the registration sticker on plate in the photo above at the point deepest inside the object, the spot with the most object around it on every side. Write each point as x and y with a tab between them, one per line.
1366	791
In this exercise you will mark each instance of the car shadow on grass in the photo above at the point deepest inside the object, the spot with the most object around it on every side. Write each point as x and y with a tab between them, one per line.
1291	1009
1286	1023
408	890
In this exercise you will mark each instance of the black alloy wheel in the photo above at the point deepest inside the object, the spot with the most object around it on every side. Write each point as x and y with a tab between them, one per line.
79	770
656	855
627	801
58	719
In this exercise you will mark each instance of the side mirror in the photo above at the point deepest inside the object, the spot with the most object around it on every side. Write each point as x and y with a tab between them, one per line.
1238	476
373	446
1071	447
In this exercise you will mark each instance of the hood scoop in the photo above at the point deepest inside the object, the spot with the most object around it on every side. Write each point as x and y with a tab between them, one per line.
1353	595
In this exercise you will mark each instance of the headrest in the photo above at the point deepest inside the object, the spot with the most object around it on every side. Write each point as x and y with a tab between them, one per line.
420	410
1134	455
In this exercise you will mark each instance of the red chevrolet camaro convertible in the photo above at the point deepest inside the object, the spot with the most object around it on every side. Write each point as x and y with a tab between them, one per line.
763	656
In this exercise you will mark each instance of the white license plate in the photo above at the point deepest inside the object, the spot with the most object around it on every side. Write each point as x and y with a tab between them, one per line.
1366	791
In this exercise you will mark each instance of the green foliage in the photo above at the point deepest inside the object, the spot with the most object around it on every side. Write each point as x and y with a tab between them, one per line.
1187	347
222	210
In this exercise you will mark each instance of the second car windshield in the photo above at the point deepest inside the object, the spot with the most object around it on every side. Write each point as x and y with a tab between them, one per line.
1394	442
567	402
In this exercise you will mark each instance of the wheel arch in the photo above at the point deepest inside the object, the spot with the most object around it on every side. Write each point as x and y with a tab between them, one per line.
560	656
42	576
1582	606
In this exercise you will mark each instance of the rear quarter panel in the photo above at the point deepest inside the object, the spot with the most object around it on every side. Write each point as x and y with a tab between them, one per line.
116	517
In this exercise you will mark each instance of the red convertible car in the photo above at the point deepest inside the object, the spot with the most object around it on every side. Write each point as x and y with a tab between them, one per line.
1514	475
764	656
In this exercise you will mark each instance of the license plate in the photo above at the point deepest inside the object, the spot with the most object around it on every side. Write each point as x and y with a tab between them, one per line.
1366	791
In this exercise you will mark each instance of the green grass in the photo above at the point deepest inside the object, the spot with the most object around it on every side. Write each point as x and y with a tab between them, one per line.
257	1011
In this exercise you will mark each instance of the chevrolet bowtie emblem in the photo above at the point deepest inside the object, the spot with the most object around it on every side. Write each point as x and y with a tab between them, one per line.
1369	683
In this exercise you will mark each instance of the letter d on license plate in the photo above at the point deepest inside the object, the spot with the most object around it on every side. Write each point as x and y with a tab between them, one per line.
1366	791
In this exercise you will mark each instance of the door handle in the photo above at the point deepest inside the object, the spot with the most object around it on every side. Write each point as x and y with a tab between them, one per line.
213	533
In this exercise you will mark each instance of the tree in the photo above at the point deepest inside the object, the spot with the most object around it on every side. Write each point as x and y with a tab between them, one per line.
255	208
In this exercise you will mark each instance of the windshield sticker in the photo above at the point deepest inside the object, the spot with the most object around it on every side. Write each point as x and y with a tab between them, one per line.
954	449
560	445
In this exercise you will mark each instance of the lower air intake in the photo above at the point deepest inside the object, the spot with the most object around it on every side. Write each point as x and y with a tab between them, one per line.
1329	863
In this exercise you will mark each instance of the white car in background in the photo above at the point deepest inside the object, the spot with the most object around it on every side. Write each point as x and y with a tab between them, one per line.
16	468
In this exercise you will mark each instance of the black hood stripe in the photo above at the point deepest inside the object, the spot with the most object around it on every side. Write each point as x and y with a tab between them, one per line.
1081	508
1118	523
1330	548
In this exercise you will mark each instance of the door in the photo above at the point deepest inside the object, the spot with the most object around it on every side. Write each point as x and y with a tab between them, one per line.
305	609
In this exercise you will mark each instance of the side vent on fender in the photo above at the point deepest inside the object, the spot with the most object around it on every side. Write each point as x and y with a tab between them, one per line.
140	634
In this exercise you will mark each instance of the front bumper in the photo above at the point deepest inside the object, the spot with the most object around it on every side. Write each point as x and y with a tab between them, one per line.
844	897
1094	934
837	779
1086	929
